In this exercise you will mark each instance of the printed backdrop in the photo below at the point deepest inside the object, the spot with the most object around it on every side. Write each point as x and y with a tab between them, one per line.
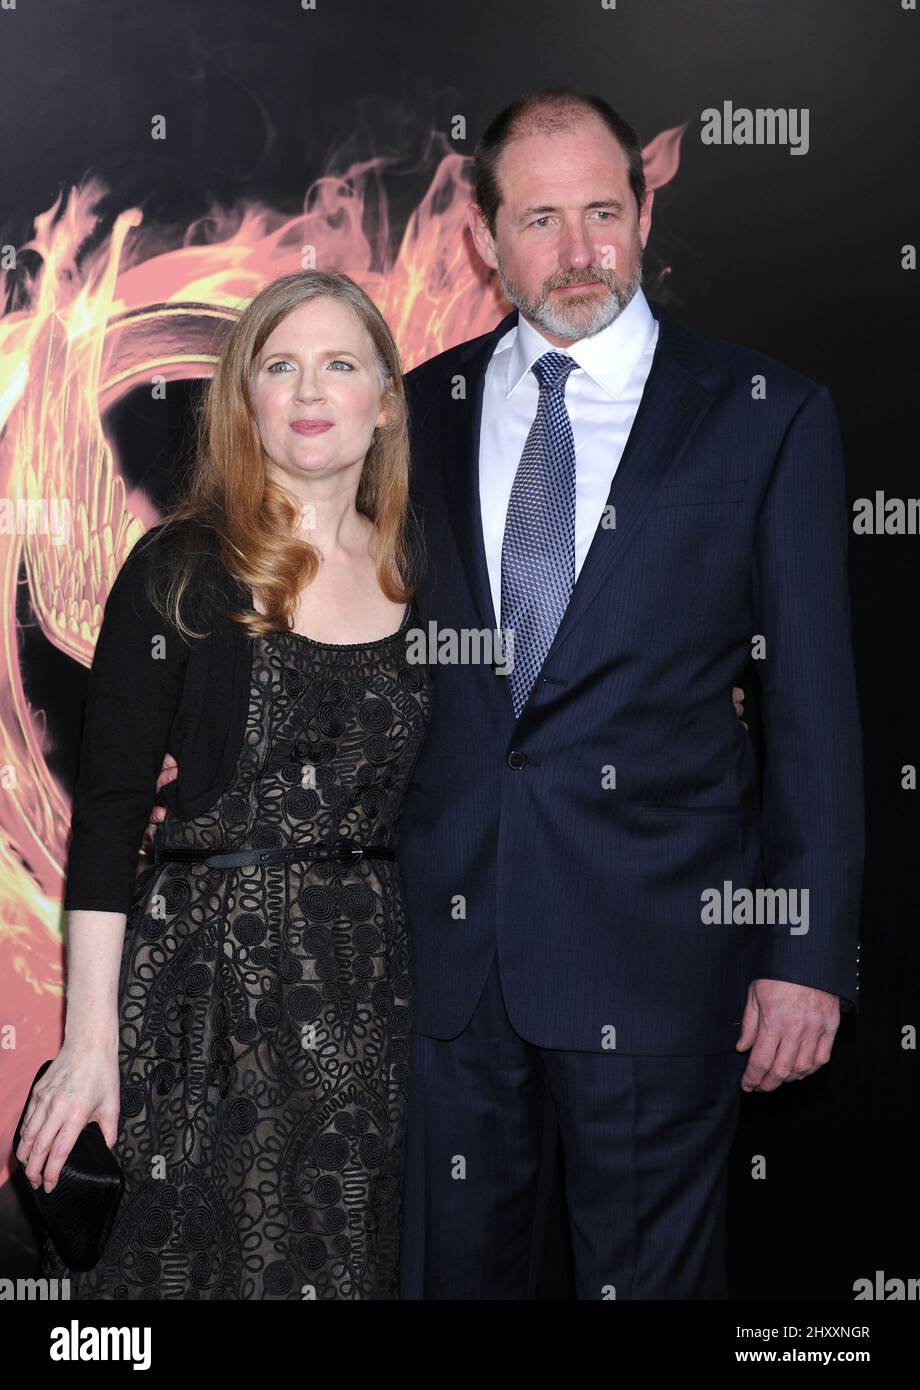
160	164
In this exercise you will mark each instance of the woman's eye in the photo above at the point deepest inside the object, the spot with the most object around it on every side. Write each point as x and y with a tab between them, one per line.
337	360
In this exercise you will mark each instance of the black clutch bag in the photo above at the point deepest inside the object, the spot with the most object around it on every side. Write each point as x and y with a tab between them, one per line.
79	1211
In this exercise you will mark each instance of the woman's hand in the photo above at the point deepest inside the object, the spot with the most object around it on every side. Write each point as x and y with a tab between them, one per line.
168	773
80	1085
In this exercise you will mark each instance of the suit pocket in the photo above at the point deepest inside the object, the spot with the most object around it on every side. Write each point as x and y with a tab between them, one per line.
695	494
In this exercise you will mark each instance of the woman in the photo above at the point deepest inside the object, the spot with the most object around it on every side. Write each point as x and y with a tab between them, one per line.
237	1014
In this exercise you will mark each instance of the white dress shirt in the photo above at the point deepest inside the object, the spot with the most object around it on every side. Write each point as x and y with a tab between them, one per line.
602	396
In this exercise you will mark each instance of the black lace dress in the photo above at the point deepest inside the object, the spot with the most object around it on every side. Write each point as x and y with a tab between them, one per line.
264	1010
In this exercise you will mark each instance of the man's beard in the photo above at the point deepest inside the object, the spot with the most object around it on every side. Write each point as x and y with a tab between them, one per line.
571	320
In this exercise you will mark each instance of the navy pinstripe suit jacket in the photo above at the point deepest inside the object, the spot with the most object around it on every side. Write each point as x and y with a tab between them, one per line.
730	525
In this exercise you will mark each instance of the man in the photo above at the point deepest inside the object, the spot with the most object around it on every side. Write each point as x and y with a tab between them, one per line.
645	509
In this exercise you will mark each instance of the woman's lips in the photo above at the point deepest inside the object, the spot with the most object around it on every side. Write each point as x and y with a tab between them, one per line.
311	426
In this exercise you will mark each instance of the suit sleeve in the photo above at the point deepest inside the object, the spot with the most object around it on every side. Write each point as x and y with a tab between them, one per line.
134	687
812	806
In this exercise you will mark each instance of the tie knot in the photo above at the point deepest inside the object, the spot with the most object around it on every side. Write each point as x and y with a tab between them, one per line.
552	370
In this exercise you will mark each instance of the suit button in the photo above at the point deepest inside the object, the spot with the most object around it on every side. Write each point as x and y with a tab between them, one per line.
516	759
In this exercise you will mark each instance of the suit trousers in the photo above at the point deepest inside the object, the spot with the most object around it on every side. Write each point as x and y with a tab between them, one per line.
645	1143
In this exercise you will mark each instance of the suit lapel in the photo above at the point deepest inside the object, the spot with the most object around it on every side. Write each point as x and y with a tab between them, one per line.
673	405
679	391
462	474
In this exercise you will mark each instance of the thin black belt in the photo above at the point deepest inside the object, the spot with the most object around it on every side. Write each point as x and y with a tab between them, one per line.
342	851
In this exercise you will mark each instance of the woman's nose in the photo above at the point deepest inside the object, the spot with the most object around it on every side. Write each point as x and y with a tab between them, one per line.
309	388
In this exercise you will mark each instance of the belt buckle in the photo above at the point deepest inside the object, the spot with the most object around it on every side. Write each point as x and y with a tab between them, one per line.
347	852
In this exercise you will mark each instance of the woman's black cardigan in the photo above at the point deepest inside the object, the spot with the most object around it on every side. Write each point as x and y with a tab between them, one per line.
150	691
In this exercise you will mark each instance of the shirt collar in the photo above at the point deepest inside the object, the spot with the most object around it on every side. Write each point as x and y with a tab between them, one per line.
607	357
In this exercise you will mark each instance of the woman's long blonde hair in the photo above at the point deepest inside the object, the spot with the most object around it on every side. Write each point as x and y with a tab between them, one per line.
231	507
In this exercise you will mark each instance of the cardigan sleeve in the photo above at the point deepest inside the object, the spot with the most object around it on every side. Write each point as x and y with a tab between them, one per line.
135	684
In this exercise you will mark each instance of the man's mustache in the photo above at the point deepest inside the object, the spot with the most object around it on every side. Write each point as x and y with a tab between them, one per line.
604	277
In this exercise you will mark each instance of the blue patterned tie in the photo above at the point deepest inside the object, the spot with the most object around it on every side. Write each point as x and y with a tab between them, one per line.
538	547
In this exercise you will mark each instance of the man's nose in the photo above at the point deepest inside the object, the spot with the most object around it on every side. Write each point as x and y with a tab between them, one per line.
576	249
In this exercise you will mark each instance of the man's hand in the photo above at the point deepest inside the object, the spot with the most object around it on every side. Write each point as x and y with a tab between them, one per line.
168	773
792	1030
737	698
